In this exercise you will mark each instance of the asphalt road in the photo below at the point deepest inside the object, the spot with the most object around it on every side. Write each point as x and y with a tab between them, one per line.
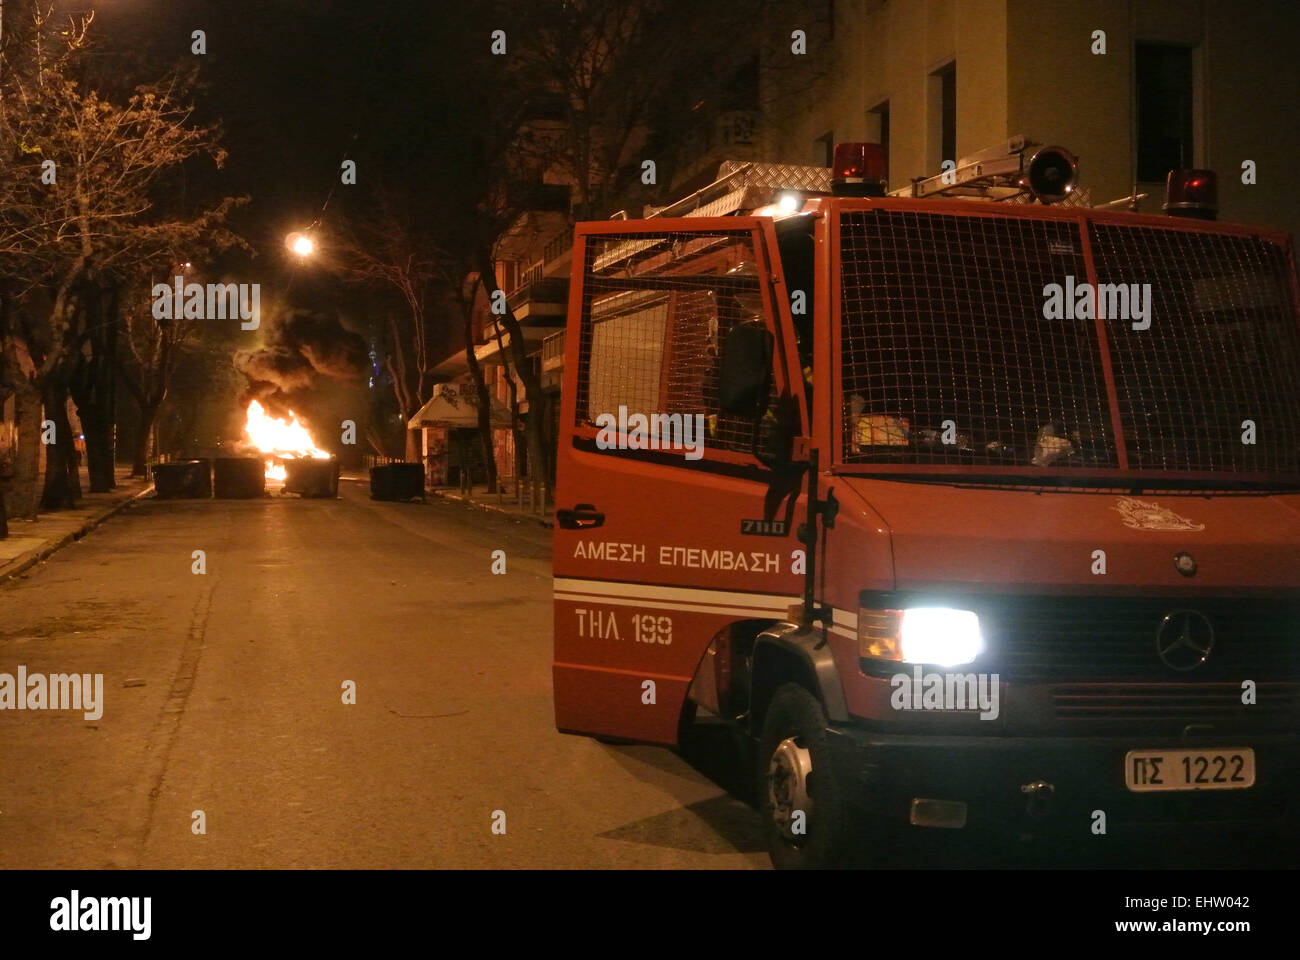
223	693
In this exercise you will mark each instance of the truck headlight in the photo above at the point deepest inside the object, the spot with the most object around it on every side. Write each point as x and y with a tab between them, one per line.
942	636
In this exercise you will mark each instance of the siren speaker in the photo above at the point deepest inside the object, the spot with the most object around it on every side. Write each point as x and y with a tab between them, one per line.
1050	174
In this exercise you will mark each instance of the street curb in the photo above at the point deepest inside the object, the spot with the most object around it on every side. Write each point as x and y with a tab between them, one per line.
26	561
456	498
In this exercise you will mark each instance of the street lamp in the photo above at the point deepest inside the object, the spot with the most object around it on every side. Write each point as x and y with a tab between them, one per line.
300	244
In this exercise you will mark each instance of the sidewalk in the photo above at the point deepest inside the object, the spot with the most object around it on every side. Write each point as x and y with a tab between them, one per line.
30	542
498	503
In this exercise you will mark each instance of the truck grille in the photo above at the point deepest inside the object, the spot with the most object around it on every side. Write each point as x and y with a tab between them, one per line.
1156	701
1086	639
1099	661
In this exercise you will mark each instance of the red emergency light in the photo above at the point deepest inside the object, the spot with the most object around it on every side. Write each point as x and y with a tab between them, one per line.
858	170
1192	193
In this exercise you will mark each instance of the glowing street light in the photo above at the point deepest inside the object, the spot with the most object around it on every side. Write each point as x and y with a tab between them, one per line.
300	244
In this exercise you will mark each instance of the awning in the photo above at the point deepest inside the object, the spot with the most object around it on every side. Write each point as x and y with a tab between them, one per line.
453	407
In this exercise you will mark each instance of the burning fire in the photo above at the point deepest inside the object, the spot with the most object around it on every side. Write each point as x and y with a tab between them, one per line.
280	439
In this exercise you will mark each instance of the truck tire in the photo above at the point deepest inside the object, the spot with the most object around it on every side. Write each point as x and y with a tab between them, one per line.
796	774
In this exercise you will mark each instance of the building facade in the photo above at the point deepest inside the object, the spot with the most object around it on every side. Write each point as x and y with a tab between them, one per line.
1132	87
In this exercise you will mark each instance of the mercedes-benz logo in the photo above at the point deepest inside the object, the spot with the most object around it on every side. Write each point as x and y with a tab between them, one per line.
1184	640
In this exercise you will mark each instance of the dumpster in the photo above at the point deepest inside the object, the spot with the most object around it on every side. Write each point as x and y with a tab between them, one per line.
182	479
310	477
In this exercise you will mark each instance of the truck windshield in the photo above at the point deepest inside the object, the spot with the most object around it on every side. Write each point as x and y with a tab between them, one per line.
971	340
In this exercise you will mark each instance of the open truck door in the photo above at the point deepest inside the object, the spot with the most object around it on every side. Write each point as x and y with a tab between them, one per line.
676	498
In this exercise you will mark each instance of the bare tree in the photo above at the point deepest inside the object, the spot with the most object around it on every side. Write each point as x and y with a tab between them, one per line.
625	81
32	54
392	248
84	171
154	348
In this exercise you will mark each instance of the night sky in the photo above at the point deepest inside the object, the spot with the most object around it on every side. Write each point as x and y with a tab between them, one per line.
298	85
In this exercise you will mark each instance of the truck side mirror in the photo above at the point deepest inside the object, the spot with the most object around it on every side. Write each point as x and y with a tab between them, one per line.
778	429
745	369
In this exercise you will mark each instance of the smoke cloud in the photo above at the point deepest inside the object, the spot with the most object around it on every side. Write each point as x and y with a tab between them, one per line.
300	347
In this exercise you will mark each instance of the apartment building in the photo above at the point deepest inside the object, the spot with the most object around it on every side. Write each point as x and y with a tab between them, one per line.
1133	87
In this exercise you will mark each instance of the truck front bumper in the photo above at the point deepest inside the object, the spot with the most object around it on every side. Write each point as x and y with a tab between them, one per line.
1028	787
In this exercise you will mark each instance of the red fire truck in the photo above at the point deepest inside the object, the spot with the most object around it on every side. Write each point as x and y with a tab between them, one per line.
973	507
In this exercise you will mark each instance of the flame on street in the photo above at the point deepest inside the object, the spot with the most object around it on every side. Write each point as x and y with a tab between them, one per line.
279	439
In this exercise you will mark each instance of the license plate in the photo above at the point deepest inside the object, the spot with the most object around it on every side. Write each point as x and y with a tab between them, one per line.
1229	768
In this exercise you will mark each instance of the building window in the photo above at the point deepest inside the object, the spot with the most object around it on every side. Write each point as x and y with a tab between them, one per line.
1164	110
824	150
943	115
508	275
878	130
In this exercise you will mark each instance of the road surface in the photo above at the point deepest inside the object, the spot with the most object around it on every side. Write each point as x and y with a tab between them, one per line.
223	707
223	693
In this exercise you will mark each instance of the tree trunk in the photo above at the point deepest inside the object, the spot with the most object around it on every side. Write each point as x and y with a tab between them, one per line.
92	385
97	428
62	482
413	454
20	491
514	413
537	425
4	487
484	399
144	440
536	434
99	452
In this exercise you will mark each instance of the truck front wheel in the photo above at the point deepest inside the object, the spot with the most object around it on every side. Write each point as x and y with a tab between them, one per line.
801	798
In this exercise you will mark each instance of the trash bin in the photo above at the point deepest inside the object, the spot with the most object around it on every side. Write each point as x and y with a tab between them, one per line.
182	479
309	477
238	478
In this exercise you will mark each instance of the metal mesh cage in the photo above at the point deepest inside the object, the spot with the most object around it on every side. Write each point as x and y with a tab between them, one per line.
656	309
946	355
1222	348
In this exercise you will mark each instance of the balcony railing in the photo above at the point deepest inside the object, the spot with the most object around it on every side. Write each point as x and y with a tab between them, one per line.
553	351
529	276
555	248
